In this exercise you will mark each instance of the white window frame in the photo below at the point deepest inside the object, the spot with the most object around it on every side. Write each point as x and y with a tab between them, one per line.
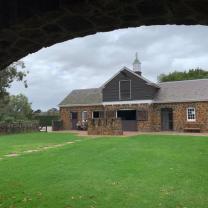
187	114
83	115
128	80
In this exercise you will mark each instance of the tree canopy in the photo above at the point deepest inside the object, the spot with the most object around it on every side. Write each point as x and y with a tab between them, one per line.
14	72
186	75
9	75
18	108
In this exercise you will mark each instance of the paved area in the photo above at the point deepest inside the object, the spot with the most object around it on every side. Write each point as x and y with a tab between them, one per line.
134	133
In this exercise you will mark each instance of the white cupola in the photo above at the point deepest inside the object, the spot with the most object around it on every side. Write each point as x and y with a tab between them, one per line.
137	65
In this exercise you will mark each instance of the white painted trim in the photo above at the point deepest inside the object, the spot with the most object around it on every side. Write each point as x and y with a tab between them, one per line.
128	102
77	105
191	120
135	102
119	90
83	113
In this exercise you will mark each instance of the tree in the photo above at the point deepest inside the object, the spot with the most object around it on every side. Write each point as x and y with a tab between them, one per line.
186	75
37	111
10	74
7	76
18	108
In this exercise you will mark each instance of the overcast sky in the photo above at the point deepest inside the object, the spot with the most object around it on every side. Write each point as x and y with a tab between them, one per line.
88	62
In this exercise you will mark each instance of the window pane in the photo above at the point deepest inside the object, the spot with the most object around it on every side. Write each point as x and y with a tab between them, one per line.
96	114
84	115
73	115
191	114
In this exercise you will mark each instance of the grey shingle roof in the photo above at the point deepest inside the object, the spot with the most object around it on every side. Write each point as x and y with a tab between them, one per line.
83	97
177	91
182	91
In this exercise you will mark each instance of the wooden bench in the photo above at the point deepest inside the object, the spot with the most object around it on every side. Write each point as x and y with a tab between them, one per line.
192	127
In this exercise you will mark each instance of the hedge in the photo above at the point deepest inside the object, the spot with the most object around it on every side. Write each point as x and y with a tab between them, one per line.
46	120
19	127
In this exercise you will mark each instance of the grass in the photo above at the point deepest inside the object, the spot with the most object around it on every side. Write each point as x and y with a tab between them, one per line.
142	171
20	142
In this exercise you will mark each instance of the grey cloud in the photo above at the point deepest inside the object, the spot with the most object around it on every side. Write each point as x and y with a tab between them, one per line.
88	62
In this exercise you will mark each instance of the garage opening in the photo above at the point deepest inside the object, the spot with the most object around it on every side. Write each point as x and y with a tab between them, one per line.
129	119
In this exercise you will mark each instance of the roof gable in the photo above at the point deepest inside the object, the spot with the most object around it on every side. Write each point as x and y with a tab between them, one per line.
133	73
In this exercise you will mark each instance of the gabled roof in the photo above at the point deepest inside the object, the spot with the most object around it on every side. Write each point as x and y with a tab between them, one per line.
80	97
169	92
132	72
182	91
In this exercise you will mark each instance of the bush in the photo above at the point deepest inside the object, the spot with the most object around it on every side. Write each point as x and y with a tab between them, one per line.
46	120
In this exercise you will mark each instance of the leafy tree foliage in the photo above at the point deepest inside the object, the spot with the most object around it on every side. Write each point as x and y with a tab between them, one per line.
186	75
18	108
12	73
37	111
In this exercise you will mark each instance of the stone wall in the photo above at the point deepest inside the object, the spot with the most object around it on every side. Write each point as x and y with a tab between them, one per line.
27	26
110	112
65	113
141	125
105	126
180	115
154	114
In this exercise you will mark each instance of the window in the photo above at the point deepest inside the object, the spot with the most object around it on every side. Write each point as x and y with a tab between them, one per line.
84	115
191	114
125	89
98	114
142	115
73	115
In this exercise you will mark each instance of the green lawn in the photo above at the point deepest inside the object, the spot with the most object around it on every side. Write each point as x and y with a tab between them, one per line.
141	171
20	142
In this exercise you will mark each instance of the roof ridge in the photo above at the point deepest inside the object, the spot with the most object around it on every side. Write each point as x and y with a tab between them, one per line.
94	88
187	80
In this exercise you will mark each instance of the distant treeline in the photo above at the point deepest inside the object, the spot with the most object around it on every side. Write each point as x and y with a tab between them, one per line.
186	75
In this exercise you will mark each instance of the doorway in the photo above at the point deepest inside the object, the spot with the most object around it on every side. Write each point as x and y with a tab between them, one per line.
166	119
129	119
74	120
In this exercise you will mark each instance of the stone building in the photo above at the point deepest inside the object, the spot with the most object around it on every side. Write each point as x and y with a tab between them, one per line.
130	102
